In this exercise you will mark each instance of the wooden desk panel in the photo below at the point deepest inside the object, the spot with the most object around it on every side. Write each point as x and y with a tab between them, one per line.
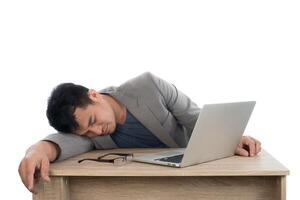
260	177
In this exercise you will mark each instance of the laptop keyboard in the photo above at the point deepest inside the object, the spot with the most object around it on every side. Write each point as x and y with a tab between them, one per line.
173	159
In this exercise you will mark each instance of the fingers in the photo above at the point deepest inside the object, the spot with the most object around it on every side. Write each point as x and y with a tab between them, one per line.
240	151
26	171
31	171
45	170
22	174
33	174
36	178
253	144
257	145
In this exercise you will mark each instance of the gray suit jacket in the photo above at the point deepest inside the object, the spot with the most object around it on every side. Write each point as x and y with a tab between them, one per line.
158	105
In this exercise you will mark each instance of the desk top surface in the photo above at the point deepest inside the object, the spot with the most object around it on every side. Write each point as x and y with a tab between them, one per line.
261	165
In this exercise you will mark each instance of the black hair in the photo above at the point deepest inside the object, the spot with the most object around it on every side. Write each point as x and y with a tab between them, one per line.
62	104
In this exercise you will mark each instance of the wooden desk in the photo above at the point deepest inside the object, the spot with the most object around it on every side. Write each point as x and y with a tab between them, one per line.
260	177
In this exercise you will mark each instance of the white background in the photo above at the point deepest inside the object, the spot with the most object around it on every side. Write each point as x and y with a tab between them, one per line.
213	51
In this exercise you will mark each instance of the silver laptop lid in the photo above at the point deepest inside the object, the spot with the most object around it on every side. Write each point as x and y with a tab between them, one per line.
217	132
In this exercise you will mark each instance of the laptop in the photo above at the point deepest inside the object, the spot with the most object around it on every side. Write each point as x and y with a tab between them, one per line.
216	134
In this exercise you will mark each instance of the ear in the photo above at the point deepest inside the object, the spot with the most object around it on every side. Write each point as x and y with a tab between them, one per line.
94	95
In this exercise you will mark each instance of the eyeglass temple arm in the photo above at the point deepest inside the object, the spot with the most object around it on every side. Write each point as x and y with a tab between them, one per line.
97	160
118	154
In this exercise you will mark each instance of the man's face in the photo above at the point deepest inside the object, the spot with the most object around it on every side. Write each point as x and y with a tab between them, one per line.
97	118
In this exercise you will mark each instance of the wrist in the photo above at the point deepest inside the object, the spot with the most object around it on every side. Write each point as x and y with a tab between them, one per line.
49	149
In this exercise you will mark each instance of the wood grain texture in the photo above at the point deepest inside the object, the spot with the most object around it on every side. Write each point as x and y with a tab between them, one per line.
262	165
56	189
179	188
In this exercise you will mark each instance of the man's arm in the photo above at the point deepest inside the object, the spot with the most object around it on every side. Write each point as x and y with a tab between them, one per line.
181	106
59	146
70	144
186	112
35	163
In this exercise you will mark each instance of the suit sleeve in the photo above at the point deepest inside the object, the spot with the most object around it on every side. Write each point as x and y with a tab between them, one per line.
70	144
181	106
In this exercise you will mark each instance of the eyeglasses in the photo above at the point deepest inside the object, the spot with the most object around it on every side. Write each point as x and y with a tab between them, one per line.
115	158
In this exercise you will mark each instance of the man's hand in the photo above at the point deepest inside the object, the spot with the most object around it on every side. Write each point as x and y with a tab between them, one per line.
35	164
248	146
